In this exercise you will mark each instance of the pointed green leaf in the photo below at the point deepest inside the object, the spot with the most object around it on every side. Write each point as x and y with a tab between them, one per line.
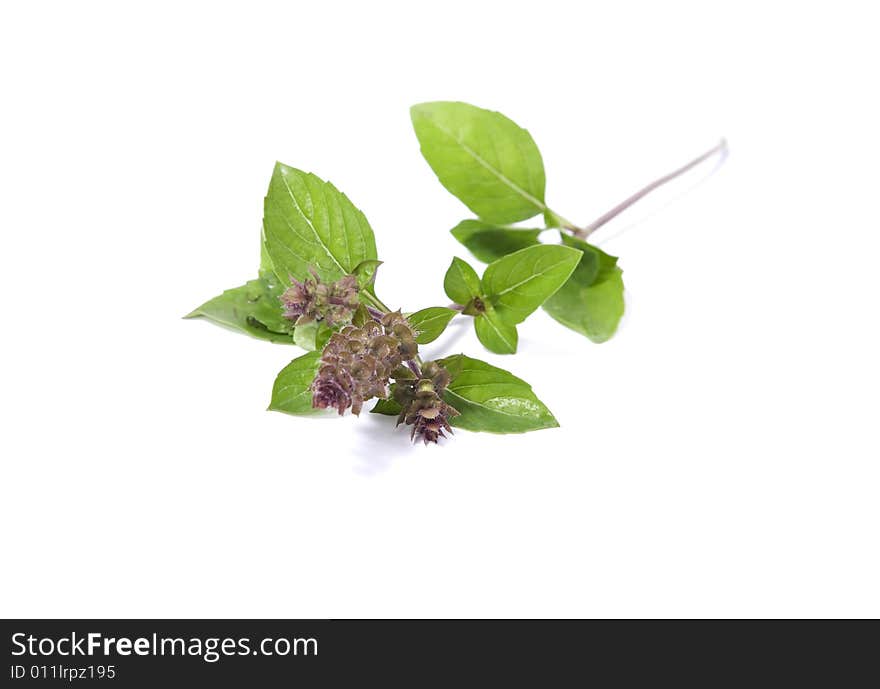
291	393
387	407
253	309
461	282
431	322
495	334
365	272
311	336
361	316
591	301
520	282
492	165
489	243
304	336
492	399
309	222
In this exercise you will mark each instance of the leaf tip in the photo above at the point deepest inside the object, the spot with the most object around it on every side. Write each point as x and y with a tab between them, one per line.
415	111
419	108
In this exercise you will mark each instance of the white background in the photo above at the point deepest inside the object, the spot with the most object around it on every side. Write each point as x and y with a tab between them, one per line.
719	457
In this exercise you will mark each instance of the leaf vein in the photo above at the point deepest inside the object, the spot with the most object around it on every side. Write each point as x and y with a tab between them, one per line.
500	175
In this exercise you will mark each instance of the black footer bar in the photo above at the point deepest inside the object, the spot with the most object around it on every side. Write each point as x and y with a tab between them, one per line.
151	653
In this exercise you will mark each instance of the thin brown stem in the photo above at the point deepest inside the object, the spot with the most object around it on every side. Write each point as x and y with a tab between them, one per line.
584	232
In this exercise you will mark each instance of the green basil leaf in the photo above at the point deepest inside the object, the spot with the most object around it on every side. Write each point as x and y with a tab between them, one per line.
489	243
266	267
291	393
308	222
365	272
361	316
492	399
431	322
494	333
591	301
312	336
388	407
461	282
492	165
520	282
304	336
253	309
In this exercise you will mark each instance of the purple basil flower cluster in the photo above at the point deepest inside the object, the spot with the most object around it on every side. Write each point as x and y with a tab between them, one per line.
358	362
422	406
314	300
361	359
